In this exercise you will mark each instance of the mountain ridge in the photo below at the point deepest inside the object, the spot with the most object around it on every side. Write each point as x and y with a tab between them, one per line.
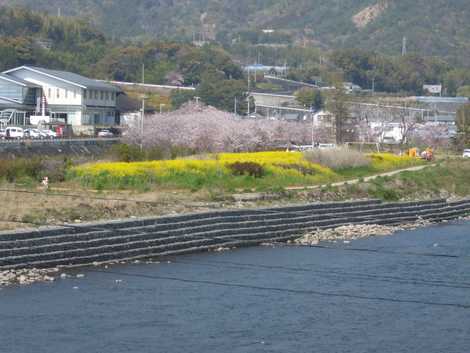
433	28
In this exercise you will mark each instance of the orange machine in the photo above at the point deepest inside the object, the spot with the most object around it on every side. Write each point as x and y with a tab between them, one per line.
412	152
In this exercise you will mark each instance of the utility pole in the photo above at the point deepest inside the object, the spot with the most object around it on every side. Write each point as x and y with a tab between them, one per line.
143	112
235	105
142	124
248	102
313	127
249	83
143	73
403	47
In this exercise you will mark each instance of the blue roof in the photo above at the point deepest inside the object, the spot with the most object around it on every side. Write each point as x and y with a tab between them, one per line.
18	81
442	99
71	77
260	67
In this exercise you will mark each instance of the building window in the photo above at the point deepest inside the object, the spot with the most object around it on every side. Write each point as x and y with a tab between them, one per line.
74	93
101	95
58	92
107	95
96	94
49	92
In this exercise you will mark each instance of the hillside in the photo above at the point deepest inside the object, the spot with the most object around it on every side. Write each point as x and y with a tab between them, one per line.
438	27
30	38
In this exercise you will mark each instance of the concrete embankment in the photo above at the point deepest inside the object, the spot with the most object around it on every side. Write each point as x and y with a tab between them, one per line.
53	148
127	240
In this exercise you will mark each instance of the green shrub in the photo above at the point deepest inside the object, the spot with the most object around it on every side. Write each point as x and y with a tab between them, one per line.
127	153
385	194
301	168
133	153
247	168
15	169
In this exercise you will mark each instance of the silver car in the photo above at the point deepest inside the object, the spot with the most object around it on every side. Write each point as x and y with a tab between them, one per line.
466	153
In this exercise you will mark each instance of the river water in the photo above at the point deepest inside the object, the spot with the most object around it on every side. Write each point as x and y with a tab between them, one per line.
405	293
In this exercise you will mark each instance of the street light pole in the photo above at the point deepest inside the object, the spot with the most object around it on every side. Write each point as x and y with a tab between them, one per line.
142	123
143	112
313	127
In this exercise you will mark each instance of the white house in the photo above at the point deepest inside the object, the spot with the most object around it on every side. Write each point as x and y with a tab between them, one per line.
70	99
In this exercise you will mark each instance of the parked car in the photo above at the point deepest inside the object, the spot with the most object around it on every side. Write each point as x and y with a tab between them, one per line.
326	145
3	134
105	133
466	153
33	134
48	134
14	133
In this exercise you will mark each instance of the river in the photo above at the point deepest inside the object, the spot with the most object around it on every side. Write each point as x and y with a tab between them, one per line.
404	293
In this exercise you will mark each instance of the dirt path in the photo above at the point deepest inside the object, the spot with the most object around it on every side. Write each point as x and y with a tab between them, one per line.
366	179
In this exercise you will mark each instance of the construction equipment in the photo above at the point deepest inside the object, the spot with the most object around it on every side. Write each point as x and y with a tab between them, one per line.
427	154
412	152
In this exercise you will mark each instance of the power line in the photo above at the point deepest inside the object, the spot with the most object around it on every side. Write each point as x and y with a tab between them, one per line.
381	251
329	272
284	290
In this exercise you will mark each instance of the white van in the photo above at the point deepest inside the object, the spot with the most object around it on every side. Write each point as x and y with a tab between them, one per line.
14	133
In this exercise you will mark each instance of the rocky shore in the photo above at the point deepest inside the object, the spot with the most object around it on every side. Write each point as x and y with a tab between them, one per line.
27	276
354	232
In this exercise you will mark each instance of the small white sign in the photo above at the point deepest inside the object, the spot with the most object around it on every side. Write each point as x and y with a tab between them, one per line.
433	89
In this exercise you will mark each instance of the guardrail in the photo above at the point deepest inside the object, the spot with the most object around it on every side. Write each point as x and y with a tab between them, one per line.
58	141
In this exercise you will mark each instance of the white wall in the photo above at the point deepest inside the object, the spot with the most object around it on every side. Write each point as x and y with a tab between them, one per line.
61	93
104	98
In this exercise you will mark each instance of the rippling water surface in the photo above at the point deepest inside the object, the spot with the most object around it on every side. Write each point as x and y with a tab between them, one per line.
405	293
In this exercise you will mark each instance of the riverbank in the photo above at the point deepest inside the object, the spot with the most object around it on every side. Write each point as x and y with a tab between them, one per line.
131	240
345	234
350	233
67	202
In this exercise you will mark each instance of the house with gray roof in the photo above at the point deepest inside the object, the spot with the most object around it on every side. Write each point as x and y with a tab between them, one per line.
70	99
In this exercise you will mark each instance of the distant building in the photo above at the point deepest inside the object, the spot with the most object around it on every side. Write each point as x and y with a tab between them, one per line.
266	69
68	99
351	87
442	104
433	89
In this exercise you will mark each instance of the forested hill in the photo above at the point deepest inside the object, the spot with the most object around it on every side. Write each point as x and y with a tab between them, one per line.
29	38
437	27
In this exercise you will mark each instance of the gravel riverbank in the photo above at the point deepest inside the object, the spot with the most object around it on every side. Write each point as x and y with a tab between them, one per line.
354	232
344	233
27	276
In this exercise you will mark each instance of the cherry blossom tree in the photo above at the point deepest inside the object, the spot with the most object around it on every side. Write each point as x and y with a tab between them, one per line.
203	128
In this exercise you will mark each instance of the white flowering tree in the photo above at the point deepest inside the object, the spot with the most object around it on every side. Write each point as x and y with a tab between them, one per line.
206	129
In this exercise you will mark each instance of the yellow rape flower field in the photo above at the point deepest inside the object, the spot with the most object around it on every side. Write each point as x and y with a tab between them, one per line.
228	171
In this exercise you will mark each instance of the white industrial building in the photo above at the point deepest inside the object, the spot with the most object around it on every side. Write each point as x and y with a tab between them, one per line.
59	97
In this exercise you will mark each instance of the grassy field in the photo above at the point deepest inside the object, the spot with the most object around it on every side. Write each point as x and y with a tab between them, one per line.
70	201
229	172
